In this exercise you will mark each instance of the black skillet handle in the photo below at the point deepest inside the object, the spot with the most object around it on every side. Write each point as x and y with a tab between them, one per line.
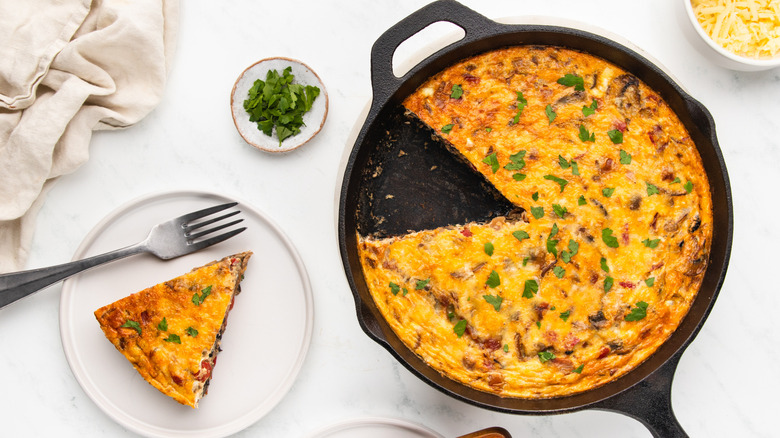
382	77
650	402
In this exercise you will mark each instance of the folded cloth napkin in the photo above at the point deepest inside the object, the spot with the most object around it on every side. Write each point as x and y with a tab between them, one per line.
68	67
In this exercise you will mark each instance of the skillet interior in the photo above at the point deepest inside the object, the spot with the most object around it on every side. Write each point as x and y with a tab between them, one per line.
422	195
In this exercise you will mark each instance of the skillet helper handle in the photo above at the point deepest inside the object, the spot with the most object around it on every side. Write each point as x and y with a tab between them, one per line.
650	402
382	77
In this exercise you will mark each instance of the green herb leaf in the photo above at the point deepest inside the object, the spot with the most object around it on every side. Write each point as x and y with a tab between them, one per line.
676	180
492	161
421	284
530	288
574	247
447	128
460	327
563	163
406	291
688	186
579	369
554	230
521	103
565	315
506	348
457	91
544	356
651	189
162	325
582	200
585	135
535	196
539	324
173	338
625	157
516	161
551	115
488	129
197	299
525	260
560	181
518	176
638	312
651	243
493	280
610	240
551	243
537	212
191	331
559	210
650	281
494	300
575	169
394	288
590	110
559	271
571	80
607	191
604	266
521	235
489	248
608	283
616	136
133	325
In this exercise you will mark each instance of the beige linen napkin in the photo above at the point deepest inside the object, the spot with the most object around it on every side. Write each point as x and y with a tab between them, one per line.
68	67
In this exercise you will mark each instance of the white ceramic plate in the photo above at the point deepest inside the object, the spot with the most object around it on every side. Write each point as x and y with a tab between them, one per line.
313	119
264	344
375	427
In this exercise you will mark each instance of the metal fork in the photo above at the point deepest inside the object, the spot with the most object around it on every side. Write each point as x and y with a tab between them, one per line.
167	240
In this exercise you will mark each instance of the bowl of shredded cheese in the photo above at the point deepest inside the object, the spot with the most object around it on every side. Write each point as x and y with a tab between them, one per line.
737	34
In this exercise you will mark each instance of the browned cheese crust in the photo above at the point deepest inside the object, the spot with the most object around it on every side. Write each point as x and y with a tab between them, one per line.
171	332
608	256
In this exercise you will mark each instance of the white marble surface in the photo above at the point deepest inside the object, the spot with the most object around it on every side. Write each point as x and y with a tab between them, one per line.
726	384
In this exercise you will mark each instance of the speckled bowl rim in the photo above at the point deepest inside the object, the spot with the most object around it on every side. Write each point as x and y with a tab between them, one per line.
323	92
750	62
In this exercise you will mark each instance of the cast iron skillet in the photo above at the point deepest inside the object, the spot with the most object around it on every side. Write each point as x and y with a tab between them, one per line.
399	178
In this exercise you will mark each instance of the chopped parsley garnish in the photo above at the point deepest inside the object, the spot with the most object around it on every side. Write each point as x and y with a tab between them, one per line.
608	283
585	135
421	284
535	196
494	300
570	80
650	281
406	291
616	136
162	325
530	288
590	110
560	210
488	129
607	191
191	331
544	356
197	299
560	181
563	163
554	230
521	235
447	128
133	325
574	247
559	271
506	348
525	260
565	315
394	288
604	266
492	161
278	103
651	189
688	187
460	327
575	169
582	200
516	161
521	103
537	212
551	243
489	248
625	157
610	240
493	280
551	115
518	176
578	370
173	338
457	91
638	312
651	243
676	180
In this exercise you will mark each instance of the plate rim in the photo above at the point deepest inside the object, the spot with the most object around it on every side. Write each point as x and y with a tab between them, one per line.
349	423
131	422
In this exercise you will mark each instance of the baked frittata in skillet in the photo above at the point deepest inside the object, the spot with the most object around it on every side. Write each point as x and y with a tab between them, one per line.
607	254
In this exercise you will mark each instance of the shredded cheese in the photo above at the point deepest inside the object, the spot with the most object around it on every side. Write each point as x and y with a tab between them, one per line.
749	28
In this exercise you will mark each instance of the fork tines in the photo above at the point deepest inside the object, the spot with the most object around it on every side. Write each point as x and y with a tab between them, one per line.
191	222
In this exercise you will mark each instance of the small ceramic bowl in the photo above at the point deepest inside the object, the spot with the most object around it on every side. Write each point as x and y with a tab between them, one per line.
714	51
313	120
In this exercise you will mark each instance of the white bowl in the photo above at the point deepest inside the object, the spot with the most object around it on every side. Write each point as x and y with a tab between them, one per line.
714	51
313	119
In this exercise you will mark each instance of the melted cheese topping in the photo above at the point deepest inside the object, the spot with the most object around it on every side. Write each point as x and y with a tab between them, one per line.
133	325
608	228
749	28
